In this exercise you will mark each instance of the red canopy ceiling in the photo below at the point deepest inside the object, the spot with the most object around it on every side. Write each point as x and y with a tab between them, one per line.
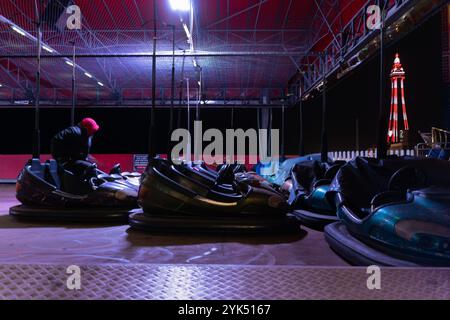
126	27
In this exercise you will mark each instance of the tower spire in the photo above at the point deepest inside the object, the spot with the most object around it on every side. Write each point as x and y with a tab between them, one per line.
397	75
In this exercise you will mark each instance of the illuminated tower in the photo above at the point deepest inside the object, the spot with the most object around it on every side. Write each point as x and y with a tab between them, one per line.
397	75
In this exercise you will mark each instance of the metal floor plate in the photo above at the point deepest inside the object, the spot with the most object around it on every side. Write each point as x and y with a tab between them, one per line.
214	282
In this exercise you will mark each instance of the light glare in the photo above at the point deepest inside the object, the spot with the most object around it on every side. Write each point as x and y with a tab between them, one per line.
180	5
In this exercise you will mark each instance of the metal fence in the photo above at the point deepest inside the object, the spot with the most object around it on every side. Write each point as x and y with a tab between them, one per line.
349	155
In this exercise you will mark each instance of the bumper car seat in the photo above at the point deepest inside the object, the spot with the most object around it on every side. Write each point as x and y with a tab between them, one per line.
308	196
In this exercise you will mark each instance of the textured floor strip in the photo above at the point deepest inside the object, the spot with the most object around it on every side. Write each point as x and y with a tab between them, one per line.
217	282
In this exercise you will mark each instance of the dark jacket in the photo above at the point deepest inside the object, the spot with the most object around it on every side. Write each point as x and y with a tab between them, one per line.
72	143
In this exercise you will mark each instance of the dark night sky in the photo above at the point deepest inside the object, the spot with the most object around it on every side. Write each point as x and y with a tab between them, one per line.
125	130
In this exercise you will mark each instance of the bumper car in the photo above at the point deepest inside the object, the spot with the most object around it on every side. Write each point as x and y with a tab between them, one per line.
308	195
278	174
195	171
393	212
49	192
223	179
198	170
175	202
133	178
193	174
204	169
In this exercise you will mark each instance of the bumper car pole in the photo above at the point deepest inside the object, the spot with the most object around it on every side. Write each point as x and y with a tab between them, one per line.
188	98
301	147
324	147
151	143
37	133
172	100
269	147
382	145
283	153
232	118
72	110
199	93
180	103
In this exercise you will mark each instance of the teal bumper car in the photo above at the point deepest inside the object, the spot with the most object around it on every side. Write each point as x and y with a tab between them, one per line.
393	212
277	173
311	182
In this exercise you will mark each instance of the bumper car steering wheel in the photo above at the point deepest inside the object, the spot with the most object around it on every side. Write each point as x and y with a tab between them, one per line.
408	177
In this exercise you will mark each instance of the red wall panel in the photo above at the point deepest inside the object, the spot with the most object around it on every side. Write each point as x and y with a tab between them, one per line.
10	165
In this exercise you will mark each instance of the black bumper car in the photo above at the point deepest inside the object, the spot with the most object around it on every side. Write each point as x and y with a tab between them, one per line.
204	169
176	202
311	181
393	212
50	192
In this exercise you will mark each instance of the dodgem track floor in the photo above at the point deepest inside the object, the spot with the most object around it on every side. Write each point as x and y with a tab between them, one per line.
22	242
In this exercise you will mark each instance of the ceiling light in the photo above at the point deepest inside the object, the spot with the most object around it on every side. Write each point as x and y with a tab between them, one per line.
88	75
70	63
180	5
18	30
188	33
48	49
100	84
320	86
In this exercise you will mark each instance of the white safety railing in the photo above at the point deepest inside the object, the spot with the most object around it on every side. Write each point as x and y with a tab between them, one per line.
349	155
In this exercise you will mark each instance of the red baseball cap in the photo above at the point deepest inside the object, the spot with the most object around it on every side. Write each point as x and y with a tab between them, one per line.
90	125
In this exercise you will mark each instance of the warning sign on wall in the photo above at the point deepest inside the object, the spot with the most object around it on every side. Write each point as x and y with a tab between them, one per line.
140	162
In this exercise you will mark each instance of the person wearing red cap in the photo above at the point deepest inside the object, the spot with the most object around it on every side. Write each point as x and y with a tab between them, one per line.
70	147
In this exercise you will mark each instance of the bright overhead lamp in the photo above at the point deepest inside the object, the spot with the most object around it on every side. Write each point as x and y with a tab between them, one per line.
48	49
1	85
180	5
188	33
88	75
18	30
70	63
100	84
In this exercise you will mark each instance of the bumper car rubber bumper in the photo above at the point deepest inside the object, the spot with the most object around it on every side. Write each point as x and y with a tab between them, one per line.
114	215
315	221
170	222
359	253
